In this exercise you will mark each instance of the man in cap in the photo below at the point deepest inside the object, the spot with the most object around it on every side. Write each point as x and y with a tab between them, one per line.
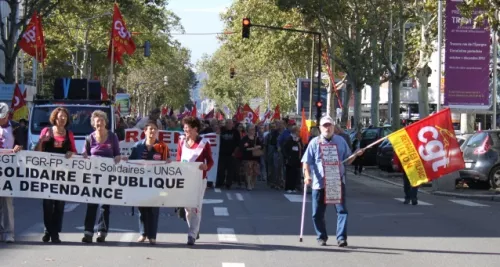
12	136
314	174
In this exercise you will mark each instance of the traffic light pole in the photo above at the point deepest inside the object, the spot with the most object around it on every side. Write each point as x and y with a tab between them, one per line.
318	111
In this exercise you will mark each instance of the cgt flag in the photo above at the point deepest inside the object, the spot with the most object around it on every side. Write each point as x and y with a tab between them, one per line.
428	149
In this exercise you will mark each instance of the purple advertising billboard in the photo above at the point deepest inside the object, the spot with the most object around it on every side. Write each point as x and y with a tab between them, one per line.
467	58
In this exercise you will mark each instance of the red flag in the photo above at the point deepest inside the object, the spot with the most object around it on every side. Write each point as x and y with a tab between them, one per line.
18	105
33	41
164	111
249	114
121	38
194	111
428	149
277	114
210	114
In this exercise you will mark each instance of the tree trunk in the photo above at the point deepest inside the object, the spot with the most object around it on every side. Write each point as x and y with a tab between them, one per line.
396	99
423	91
357	123
375	110
345	105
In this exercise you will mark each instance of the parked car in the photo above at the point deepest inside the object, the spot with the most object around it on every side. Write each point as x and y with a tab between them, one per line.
369	136
482	162
385	153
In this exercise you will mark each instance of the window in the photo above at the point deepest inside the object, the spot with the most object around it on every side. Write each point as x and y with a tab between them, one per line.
477	139
80	118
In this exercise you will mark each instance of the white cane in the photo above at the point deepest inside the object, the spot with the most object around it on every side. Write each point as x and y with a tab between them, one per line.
303	212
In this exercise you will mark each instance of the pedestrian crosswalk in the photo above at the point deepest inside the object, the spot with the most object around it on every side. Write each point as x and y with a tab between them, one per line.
297	198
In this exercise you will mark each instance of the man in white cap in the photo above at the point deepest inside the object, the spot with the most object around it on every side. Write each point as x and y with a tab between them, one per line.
11	137
322	153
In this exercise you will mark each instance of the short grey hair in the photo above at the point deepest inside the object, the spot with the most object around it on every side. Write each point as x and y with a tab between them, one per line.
249	126
98	114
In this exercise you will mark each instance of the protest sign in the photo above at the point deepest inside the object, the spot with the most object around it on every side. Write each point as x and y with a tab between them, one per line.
333	179
99	180
171	139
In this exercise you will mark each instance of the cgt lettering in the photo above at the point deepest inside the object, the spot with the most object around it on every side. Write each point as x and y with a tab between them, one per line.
432	149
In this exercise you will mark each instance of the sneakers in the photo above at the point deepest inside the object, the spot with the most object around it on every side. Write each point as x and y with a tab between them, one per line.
322	242
152	241
9	239
342	243
289	191
407	201
414	202
141	239
191	241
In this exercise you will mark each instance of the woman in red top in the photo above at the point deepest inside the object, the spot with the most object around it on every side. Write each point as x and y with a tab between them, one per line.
55	139
193	148
410	192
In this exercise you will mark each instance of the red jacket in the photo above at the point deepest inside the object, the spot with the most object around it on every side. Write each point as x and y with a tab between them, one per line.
205	157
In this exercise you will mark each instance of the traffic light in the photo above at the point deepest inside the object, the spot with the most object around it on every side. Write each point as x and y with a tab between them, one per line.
319	105
246	28
231	72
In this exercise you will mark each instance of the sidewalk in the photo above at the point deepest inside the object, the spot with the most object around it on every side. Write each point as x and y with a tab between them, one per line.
460	192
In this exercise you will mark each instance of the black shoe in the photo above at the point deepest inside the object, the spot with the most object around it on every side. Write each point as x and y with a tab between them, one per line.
46	237
198	236
342	243
87	239
56	240
414	202
407	201
321	242
100	239
191	241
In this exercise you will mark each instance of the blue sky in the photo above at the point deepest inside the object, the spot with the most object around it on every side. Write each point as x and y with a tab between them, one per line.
199	16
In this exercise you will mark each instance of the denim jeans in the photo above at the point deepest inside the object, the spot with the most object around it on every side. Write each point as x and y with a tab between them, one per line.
148	221
102	223
318	214
53	211
410	192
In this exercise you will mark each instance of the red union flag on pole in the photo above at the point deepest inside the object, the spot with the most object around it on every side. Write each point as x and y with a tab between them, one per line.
428	149
121	39
32	41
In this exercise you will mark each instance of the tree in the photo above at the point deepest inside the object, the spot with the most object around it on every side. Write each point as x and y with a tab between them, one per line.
11	31
350	24
489	12
279	56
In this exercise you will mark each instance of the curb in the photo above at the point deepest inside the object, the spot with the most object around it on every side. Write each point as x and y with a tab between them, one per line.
495	198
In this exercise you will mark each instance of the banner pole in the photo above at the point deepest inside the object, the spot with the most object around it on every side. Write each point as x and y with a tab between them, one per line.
439	50
368	146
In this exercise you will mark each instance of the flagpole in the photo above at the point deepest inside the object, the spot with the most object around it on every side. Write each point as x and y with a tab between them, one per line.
110	82
35	68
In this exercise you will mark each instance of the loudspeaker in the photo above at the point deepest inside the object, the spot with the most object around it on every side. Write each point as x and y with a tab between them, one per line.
94	90
77	89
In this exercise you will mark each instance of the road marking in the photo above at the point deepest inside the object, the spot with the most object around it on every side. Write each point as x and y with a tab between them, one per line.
295	198
217	190
34	230
233	264
467	203
239	196
391	214
226	235
421	203
69	207
229	197
126	239
212	201
220	211
109	230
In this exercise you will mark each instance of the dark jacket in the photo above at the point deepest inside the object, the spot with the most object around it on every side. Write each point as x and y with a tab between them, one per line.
139	147
20	135
292	152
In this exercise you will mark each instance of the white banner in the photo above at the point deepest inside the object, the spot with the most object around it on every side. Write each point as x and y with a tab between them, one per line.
139	183
171	139
333	180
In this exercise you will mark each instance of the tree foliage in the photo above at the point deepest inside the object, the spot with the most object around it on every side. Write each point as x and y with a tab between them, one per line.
77	35
279	56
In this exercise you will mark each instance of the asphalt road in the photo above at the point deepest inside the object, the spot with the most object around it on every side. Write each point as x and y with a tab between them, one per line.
260	229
